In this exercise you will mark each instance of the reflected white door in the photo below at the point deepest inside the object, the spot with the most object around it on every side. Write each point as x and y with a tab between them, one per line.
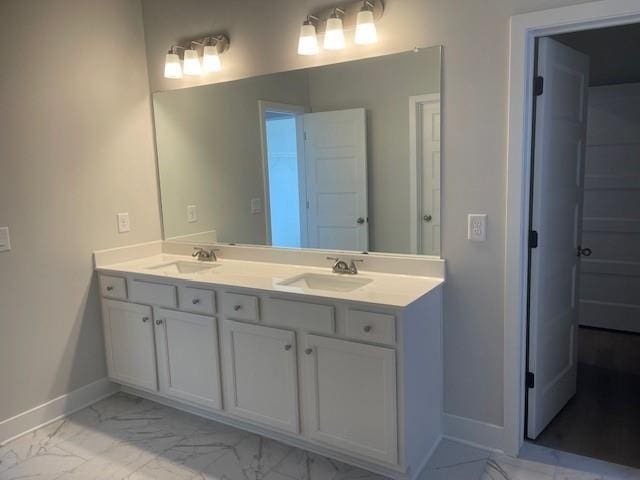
430	178
558	172
336	161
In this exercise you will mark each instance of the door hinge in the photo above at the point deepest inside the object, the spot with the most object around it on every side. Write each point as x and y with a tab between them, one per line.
538	85
533	239
531	380
307	203
304	134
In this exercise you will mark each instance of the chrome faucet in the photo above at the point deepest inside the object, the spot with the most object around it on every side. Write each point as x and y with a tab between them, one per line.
340	266
205	255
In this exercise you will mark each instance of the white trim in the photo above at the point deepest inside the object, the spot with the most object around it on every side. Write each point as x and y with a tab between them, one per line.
59	407
415	147
523	31
265	106
472	432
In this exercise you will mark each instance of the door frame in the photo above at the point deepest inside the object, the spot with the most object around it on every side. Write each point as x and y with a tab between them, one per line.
415	148
265	106
524	29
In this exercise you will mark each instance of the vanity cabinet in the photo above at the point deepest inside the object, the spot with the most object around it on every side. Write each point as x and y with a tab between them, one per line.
129	342
261	374
357	381
188	357
352	396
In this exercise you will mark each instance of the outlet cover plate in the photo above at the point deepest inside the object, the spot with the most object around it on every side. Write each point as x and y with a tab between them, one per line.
5	241
124	225
477	227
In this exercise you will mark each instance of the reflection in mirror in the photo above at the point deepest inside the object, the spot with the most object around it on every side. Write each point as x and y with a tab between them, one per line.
343	156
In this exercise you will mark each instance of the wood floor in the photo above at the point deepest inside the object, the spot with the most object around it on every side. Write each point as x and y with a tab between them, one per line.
603	419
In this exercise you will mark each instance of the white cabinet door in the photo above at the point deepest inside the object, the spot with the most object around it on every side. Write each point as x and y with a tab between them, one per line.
188	358
261	380
128	333
351	392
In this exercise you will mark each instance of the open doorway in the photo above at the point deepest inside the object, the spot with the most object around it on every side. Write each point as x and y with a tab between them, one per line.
583	329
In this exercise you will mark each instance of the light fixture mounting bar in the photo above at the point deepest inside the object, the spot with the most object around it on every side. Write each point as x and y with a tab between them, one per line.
348	11
219	40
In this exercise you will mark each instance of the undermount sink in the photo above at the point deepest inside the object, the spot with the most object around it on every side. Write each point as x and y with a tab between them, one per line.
182	267
328	282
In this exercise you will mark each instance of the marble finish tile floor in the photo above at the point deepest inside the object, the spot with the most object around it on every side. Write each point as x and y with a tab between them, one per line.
126	437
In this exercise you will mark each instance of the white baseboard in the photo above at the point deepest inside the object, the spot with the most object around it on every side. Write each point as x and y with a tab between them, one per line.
59	407
473	432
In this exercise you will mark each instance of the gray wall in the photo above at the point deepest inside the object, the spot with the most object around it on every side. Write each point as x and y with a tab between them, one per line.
76	147
382	86
209	154
475	38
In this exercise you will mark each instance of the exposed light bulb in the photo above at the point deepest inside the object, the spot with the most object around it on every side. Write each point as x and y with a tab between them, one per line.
308	41
211	59
172	67
366	33
334	34
192	63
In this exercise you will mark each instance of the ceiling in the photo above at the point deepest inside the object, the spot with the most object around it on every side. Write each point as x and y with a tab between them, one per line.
614	52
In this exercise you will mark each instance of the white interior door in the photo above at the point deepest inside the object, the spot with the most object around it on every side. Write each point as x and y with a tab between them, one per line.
336	160
560	139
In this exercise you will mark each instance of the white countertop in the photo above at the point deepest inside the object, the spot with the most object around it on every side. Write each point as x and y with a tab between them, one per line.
384	289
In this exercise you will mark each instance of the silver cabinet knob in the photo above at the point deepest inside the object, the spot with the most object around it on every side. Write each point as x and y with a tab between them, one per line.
195	301
109	288
237	307
308	351
145	319
368	328
159	322
287	347
360	220
427	218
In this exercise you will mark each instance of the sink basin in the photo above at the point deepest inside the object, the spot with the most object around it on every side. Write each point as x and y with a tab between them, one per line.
183	267
327	282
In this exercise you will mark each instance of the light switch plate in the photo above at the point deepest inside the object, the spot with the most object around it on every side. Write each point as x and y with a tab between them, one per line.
192	214
5	241
256	205
477	227
123	223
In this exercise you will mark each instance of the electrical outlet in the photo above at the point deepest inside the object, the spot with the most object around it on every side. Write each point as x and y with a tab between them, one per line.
477	228
5	241
123	223
256	205
192	214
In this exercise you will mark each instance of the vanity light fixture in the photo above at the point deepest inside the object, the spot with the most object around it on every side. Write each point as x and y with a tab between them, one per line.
334	33
366	33
202	56
358	15
308	41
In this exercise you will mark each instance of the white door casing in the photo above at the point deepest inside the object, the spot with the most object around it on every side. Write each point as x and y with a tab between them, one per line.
424	165
351	392
129	340
261	376
558	173
185	340
336	168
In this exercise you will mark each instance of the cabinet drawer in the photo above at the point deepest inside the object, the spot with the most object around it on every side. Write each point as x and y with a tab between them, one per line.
371	327
307	316
197	300
113	287
240	307
153	293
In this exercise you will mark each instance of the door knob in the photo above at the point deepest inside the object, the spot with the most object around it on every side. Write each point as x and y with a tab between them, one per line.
586	252
360	220
427	218
287	347
308	351
158	322
195	301
145	319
